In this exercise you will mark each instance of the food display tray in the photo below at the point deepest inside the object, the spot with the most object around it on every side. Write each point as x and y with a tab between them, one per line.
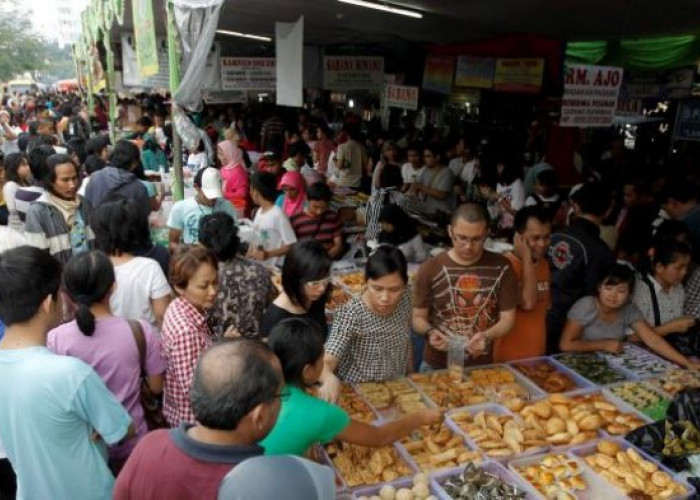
490	466
393	412
638	363
586	449
401	483
597	487
580	381
455	430
621	374
488	408
532	389
649	411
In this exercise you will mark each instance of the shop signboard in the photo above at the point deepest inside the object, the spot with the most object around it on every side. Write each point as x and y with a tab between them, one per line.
353	72
145	34
590	95
688	121
475	72
438	74
248	73
520	75
161	79
401	96
226	97
672	84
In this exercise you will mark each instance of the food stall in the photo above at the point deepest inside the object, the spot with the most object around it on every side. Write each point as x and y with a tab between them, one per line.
547	427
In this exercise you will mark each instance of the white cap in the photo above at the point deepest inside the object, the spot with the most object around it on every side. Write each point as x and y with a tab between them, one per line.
210	182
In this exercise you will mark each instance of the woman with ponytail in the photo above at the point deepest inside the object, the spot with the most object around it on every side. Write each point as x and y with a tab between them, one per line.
108	343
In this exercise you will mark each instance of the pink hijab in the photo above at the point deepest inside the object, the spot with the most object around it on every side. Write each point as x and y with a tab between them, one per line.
231	154
293	180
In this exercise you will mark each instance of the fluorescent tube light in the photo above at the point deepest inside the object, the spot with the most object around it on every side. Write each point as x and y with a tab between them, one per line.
384	7
244	35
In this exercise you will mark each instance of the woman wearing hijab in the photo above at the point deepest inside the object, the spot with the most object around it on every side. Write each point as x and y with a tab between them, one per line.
234	176
294	197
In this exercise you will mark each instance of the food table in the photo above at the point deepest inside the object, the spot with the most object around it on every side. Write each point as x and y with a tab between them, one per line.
547	427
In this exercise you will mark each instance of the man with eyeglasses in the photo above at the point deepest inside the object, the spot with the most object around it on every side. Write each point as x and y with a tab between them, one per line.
466	291
236	397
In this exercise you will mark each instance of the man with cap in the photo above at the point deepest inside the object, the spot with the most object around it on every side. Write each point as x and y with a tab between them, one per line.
236	395
185	215
298	478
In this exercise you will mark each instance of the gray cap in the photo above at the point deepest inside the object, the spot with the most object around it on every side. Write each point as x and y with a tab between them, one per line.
271	477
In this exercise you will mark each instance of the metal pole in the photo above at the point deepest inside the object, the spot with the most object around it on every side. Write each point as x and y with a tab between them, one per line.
174	64
109	84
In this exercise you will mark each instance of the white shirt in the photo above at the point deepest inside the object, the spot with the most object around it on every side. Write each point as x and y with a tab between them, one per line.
197	161
139	281
410	173
273	230
515	194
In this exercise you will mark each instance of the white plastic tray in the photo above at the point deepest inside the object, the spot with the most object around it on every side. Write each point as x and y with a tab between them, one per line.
580	381
491	467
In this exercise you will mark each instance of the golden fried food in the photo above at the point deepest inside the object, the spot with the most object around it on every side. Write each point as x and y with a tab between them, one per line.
447	393
437	450
355	406
555	476
499	435
546	376
399	394
362	466
629	471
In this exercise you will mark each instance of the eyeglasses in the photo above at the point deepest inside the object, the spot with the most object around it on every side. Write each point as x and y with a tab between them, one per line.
284	394
464	240
321	282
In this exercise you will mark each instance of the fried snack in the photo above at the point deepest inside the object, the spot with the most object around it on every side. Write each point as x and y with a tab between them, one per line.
498	384
338	298
355	406
546	376
399	394
362	466
438	450
555	476
499	435
629	472
643	397
355	282
577	419
445	392
674	381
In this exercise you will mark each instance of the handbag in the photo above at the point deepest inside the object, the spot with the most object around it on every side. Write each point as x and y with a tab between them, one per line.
152	407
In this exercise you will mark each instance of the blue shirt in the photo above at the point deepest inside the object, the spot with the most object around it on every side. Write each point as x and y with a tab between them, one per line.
186	214
2	330
50	406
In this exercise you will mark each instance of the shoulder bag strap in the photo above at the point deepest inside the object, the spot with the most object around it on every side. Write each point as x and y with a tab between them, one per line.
654	300
140	340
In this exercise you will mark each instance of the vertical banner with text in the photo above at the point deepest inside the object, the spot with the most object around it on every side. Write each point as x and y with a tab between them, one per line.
590	95
145	38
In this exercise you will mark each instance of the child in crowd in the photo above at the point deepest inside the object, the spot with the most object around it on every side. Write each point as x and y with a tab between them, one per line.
197	158
601	322
305	420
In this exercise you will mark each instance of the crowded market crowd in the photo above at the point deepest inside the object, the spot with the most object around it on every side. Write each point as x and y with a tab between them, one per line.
137	369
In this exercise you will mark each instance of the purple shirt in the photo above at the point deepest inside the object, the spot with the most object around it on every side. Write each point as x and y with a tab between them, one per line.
112	352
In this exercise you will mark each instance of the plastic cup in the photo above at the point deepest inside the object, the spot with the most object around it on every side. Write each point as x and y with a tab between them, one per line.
455	357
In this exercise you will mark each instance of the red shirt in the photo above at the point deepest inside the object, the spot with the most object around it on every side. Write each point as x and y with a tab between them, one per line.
184	337
168	464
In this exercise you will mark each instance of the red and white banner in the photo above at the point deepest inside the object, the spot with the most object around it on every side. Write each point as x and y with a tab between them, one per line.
401	96
590	95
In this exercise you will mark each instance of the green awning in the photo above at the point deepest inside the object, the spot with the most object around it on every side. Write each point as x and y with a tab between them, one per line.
654	53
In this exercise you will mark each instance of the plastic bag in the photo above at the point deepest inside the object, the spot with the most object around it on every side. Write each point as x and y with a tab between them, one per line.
672	440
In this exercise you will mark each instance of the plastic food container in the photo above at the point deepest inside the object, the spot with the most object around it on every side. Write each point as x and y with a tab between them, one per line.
590	448
639	363
499	392
604	373
596	487
489	408
341	482
439	387
495	468
356	410
401	483
619	404
581	382
420	435
655	411
393	411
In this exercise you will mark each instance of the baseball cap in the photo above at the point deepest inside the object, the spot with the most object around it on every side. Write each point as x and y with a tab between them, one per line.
209	180
295	478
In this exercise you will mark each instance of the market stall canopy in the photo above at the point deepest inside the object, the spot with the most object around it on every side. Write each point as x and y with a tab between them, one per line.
455	21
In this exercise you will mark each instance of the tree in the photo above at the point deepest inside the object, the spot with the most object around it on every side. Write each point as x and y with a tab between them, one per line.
21	49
